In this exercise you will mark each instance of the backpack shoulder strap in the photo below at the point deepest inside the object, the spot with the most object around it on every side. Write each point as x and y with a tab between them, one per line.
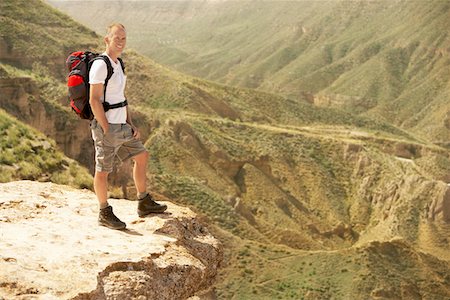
108	67
109	74
122	64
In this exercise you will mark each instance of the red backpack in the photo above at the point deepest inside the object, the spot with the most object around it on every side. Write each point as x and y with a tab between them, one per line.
79	63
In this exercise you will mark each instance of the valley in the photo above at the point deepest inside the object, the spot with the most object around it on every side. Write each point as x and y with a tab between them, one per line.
383	59
311	200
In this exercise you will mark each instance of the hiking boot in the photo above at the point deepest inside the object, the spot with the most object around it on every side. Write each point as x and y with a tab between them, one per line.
107	218
147	206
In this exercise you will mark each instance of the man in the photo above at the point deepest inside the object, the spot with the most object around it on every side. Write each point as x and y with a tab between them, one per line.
114	133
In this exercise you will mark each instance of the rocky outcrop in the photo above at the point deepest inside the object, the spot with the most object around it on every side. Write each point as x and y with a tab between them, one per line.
8	55
440	207
52	248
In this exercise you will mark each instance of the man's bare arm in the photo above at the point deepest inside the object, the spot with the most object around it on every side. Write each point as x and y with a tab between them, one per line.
136	132
96	92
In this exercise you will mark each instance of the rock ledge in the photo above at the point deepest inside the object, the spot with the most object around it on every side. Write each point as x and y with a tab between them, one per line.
52	248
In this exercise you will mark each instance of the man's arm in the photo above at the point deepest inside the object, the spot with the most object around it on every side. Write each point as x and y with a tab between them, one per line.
96	92
136	132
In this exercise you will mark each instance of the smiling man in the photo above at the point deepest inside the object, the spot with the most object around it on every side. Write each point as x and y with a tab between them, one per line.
113	132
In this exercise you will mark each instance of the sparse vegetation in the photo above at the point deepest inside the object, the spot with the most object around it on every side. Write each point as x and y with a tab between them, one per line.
297	193
385	59
28	154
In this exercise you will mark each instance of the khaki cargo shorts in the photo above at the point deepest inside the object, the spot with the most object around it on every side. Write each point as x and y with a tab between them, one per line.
118	143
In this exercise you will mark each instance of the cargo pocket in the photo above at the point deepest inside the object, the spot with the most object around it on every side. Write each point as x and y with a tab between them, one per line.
97	132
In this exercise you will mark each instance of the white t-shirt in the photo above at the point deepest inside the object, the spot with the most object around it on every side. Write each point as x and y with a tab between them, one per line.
115	89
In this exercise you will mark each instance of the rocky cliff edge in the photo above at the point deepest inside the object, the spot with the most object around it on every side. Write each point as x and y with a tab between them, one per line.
52	248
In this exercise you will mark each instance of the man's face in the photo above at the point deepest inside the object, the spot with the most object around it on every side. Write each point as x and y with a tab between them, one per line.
116	40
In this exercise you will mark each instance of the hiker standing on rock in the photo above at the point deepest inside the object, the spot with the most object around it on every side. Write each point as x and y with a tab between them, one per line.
113	131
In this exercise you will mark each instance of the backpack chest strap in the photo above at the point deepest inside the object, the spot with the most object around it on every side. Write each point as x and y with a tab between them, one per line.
107	106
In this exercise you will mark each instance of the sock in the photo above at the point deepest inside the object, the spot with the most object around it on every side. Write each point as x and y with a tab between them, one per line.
142	195
103	205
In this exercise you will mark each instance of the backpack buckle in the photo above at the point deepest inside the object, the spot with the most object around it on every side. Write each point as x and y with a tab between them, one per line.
106	106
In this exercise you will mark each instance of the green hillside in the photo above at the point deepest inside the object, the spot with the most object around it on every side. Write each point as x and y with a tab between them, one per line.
26	45
28	154
310	202
386	59
30	89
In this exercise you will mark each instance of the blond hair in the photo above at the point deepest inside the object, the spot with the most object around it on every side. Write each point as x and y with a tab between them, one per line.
112	26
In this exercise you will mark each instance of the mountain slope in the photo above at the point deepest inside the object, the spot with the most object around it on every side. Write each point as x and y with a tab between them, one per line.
297	200
27	154
387	59
295	191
